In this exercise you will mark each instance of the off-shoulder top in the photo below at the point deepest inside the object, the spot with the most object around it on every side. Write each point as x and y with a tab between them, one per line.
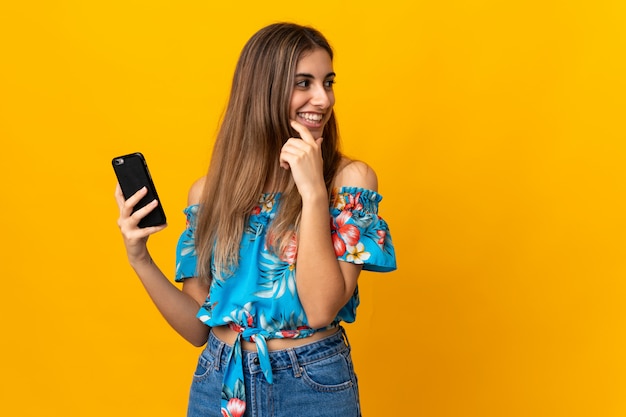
259	299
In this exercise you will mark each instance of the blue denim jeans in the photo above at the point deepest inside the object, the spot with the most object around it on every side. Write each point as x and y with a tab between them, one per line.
313	380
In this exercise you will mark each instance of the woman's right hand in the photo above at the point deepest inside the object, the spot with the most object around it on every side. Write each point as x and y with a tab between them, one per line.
135	237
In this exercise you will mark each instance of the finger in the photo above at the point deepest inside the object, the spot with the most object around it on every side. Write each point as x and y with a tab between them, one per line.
121	200
304	132
144	211
134	199
284	158
153	229
291	151
296	146
130	223
132	233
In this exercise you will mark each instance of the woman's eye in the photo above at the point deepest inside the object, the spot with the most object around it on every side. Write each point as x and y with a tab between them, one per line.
303	83
329	83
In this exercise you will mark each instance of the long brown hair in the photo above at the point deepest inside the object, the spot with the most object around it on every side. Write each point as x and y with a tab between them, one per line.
246	152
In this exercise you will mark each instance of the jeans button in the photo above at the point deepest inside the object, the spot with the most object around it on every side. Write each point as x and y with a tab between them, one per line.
256	360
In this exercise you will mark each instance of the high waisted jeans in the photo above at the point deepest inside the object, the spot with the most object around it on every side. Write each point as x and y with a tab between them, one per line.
313	380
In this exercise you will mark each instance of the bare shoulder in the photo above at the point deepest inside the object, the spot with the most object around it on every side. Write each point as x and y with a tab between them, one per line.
195	192
353	173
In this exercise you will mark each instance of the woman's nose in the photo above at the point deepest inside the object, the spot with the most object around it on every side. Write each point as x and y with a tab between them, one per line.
321	98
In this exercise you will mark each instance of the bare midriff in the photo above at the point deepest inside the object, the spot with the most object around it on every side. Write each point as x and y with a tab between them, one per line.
228	336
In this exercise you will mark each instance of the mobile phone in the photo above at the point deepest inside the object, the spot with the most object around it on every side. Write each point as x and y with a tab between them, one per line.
133	174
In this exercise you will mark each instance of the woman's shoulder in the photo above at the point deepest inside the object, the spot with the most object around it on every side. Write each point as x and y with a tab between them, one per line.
195	192
355	173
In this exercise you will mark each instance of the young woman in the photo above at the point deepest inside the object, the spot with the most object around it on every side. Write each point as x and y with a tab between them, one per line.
278	232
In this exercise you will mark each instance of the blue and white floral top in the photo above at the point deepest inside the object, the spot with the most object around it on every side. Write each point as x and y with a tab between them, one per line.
260	299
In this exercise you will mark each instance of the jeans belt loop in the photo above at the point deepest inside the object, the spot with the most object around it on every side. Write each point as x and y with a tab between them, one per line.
218	355
297	370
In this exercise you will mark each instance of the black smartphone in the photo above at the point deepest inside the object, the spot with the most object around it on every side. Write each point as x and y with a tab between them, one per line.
133	174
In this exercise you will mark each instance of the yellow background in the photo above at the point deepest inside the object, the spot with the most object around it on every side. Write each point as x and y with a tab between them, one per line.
496	128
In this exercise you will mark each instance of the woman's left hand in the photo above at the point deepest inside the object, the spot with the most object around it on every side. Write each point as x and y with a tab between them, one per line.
304	158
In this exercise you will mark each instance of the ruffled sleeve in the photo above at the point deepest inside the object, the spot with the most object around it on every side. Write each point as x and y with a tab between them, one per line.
186	258
359	234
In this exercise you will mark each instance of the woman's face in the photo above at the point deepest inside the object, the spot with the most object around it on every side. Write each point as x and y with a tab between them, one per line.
313	98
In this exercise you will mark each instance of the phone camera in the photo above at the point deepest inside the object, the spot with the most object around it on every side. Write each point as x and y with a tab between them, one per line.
119	161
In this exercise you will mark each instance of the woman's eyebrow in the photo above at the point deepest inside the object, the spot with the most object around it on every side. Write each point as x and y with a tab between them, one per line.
307	75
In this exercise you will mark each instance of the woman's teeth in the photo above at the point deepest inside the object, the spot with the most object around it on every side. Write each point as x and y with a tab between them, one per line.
311	117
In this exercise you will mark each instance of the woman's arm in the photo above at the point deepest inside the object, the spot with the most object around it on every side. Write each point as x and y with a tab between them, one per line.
324	284
178	307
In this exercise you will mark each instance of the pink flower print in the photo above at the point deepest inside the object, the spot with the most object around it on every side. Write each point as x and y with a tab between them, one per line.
343	234
234	408
381	236
249	319
236	327
256	210
289	334
339	245
354	202
291	251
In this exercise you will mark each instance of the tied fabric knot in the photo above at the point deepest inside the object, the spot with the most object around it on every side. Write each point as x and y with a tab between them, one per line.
233	388
233	400
258	337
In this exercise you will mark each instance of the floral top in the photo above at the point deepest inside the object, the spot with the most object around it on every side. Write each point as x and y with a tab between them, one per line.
260	299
